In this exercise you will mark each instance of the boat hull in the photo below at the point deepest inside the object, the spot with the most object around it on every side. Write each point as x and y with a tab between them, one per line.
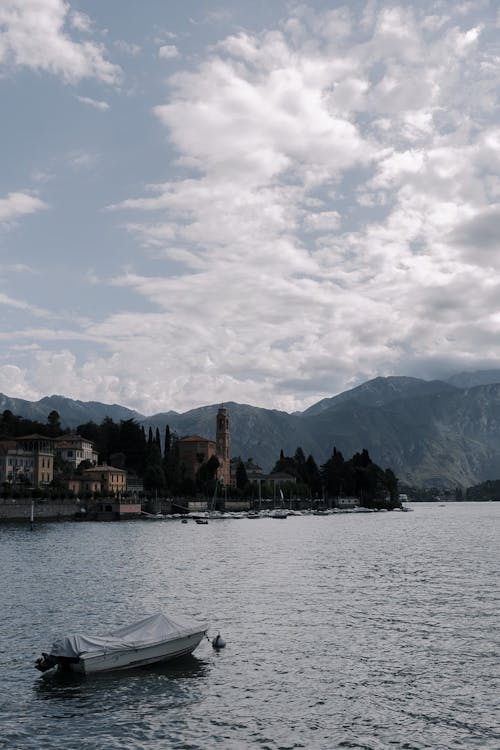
132	658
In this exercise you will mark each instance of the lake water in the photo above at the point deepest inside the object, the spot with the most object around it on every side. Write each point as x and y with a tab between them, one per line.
375	631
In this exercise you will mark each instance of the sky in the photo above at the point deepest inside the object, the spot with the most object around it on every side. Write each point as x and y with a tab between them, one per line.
266	202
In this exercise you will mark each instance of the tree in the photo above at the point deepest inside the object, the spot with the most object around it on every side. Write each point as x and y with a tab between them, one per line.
333	474
312	476
54	424
207	473
154	478
133	445
168	442
241	476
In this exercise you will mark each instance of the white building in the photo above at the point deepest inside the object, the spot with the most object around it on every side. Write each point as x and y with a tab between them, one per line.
74	449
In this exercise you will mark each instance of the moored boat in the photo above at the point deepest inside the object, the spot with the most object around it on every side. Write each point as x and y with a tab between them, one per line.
279	514
154	639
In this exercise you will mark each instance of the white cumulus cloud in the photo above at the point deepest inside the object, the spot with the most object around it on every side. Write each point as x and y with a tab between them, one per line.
33	35
15	205
168	51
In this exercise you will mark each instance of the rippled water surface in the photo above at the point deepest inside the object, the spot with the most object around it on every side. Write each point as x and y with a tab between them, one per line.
376	631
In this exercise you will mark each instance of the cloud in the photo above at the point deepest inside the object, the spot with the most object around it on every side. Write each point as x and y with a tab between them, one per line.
168	51
93	102
18	268
330	216
82	160
128	48
8	301
479	237
335	171
32	35
14	381
80	21
15	205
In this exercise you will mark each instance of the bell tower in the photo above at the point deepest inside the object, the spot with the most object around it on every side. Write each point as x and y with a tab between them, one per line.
222	445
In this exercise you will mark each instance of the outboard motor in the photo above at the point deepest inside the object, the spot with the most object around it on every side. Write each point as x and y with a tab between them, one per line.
45	662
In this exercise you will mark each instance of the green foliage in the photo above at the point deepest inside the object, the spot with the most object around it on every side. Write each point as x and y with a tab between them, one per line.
154	478
54	424
360	477
12	427
111	438
207	474
241	476
489	490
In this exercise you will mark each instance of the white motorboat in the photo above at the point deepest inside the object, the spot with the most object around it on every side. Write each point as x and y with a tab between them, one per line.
156	638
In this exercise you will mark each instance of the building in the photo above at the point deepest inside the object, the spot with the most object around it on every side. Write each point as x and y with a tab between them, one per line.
84	486
135	485
42	450
273	481
113	481
27	461
222	443
16	465
193	452
74	449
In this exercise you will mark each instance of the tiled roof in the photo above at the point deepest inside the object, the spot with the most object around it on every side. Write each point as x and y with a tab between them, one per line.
195	439
35	437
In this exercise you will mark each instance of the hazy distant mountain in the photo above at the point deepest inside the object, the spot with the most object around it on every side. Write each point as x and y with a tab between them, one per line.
380	392
450	437
428	432
471	379
71	412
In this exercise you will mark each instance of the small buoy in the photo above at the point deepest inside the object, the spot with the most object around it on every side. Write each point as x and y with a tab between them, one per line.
218	642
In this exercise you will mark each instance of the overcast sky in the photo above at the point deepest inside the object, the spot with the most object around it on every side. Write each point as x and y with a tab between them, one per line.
262	202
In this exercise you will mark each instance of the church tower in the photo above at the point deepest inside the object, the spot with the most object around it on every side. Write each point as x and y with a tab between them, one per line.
222	446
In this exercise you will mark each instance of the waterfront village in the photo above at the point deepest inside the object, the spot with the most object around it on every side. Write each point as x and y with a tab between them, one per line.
65	476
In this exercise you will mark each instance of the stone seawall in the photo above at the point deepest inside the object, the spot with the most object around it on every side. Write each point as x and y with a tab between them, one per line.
20	510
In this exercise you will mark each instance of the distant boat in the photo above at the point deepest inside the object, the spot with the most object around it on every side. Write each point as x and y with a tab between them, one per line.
203	521
156	638
279	514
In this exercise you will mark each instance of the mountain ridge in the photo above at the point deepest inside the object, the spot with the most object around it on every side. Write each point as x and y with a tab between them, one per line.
429	432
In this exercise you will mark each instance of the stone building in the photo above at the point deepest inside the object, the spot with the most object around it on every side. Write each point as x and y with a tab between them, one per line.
113	481
195	450
222	441
27	460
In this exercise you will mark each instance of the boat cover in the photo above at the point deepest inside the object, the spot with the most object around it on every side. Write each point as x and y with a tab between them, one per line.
152	630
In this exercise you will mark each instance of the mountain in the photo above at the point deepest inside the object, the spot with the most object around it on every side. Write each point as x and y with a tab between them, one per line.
478	377
255	433
450	437
380	392
71	412
434	433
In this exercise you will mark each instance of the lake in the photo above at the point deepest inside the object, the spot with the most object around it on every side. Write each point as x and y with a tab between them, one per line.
376	631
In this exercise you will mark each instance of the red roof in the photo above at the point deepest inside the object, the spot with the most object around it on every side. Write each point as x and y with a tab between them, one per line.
195	439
